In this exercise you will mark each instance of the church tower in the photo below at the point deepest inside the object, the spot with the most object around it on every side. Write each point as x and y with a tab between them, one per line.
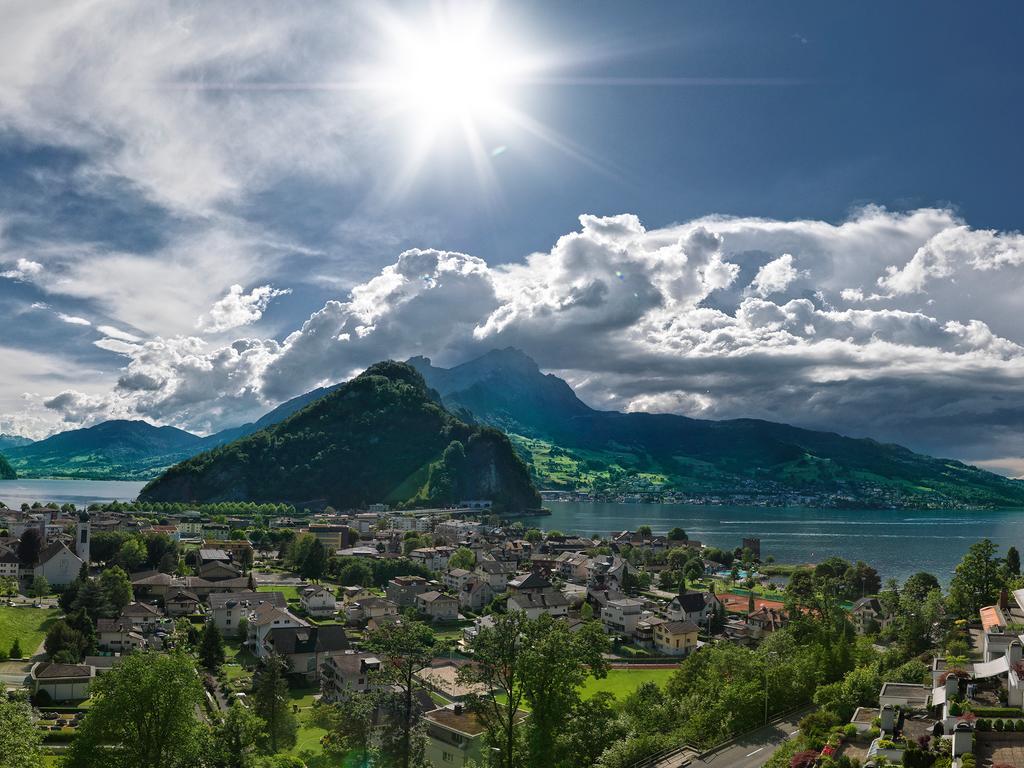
82	536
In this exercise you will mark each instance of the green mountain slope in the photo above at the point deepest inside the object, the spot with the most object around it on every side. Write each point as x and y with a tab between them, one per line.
572	446
111	450
13	441
6	470
380	437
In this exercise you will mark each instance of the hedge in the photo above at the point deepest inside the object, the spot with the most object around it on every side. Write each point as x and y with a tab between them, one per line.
991	712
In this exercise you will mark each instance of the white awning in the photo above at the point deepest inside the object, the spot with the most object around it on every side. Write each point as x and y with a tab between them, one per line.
938	696
992	668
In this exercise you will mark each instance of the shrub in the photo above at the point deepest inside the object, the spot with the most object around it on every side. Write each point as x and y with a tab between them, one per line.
850	731
1019	725
956	709
998	725
983	724
805	759
874	732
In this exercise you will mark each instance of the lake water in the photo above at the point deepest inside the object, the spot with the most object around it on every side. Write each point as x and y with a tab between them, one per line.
896	542
14	493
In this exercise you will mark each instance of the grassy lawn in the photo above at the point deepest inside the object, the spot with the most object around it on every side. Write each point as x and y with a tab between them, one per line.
622	682
289	592
29	625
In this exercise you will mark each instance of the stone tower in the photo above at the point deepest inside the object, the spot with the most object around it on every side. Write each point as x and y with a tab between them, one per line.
83	536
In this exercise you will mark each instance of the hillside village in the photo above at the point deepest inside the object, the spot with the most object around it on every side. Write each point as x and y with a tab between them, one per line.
317	597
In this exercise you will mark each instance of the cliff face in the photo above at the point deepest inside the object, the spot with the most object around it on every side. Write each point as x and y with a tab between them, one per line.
381	437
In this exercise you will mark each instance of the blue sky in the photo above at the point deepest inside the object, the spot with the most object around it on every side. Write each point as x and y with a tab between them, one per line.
818	208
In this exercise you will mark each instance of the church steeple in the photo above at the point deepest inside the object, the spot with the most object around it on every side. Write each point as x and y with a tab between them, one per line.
83	536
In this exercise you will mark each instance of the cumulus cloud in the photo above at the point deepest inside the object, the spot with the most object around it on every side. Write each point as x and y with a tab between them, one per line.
73	319
238	308
717	317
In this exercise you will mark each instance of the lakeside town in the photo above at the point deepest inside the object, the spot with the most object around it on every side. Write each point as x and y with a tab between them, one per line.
433	637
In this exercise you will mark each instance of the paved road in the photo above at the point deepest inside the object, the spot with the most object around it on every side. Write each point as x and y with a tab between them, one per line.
754	749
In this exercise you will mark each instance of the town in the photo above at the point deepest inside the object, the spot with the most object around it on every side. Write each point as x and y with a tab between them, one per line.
446	637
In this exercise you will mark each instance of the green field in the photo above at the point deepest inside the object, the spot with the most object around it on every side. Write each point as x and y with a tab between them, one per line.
622	682
29	625
289	592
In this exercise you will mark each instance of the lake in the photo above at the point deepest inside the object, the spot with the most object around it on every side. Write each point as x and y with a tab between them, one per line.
14	493
896	542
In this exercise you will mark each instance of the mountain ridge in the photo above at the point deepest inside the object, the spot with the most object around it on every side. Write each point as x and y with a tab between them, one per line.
383	436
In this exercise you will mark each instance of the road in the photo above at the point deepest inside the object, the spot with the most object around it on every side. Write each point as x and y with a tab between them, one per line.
753	749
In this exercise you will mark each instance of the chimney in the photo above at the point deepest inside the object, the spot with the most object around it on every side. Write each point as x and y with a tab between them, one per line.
1004	599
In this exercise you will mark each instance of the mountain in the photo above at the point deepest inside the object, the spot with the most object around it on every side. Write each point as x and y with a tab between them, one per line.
111	450
382	436
13	441
572	446
6	470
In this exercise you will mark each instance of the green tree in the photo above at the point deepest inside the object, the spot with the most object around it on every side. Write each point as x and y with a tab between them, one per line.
976	581
406	648
211	647
64	644
116	588
918	585
236	737
555	663
20	741
90	598
677	534
498	671
271	703
314	564
39	588
15	652
144	714
131	555
350	728
462	557
1013	561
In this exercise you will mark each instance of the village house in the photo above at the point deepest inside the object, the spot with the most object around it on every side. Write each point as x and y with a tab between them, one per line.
118	636
475	595
456	578
573	566
533	604
305	648
692	606
318	601
496	573
620	617
867	614
455	736
347	673
437	606
228	609
370	608
402	590
182	603
265	618
354	594
432	558
675	638
142	615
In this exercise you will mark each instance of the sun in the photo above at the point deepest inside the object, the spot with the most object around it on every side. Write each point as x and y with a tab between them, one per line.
451	77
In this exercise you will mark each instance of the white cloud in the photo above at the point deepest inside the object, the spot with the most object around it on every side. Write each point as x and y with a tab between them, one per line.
237	308
117	333
711	317
775	276
73	319
24	269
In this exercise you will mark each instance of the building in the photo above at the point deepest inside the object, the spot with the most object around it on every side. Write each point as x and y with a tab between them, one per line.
496	573
454	737
438	606
263	620
372	607
83	537
675	638
181	602
868	615
306	648
142	615
318	601
118	636
692	606
349	672
432	558
475	595
456	578
228	608
402	590
57	564
333	537
61	682
620	617
533	604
